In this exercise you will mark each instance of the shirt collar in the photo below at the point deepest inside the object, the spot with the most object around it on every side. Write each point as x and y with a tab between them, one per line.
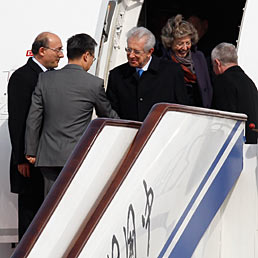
39	64
145	68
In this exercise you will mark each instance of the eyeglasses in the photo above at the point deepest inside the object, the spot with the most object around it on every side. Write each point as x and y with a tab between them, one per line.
57	50
94	58
129	50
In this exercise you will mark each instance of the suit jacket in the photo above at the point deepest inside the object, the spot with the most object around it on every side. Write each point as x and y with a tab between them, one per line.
65	100
20	87
132	97
234	91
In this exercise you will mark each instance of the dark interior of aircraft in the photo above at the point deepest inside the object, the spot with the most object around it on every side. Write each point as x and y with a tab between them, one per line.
223	16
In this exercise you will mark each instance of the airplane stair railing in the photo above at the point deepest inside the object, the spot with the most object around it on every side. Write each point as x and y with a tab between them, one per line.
174	190
182	166
86	175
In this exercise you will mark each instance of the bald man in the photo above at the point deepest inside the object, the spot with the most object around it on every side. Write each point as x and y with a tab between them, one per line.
25	179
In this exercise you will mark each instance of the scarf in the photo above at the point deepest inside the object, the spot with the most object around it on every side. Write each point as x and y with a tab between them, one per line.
187	66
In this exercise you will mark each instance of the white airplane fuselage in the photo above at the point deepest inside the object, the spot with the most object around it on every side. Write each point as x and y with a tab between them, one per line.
107	22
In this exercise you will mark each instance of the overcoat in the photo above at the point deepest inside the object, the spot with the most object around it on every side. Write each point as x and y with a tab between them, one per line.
132	96
20	87
234	91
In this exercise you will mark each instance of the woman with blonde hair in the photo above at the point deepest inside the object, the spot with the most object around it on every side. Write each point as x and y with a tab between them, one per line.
179	38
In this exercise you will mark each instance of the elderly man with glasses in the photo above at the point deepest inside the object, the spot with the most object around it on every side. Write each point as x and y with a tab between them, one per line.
26	180
134	87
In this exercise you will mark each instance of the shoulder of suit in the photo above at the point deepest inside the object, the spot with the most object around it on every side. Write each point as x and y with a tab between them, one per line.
94	77
23	68
121	68
64	70
33	66
27	72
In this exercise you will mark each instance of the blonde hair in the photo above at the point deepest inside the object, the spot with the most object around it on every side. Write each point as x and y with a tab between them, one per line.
177	28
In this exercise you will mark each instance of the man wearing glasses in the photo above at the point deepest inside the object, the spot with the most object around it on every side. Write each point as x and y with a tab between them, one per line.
26	180
134	87
61	109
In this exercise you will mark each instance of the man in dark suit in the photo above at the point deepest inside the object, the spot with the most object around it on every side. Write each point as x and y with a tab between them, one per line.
234	91
25	179
132	95
65	100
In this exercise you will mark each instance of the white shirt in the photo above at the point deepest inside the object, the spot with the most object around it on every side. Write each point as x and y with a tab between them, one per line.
39	64
144	68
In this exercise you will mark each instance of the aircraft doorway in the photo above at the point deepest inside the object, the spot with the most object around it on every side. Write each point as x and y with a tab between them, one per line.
224	17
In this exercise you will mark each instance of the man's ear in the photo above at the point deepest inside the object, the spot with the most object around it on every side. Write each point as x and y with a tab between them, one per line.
41	51
86	56
219	66
151	51
217	63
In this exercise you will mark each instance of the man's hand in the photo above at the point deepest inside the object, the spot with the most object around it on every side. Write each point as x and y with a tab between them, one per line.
31	159
24	169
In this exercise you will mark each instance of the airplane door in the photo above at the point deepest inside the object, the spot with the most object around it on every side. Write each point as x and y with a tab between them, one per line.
121	16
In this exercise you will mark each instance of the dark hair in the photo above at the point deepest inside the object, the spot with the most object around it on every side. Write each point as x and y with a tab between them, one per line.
78	44
40	41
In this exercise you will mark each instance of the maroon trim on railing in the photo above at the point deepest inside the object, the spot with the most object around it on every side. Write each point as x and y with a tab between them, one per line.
63	181
204	111
142	137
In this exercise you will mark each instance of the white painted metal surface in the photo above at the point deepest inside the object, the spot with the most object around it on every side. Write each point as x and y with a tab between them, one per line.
90	180
233	231
21	22
8	200
88	16
247	38
29	18
127	18
166	187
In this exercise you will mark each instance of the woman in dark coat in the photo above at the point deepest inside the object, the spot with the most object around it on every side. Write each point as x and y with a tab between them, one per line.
179	38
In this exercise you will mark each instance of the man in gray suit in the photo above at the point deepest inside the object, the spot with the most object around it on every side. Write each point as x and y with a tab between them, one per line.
61	109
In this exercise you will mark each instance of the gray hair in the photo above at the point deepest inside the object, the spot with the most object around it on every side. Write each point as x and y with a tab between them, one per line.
140	32
177	28
226	53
